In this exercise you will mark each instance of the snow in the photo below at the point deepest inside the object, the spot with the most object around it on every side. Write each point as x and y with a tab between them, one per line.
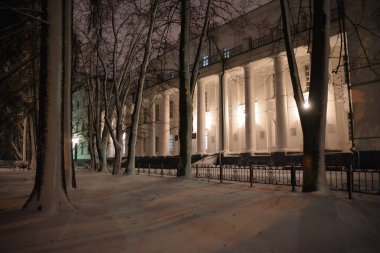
152	214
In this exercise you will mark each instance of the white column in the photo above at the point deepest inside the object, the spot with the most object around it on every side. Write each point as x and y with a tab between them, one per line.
165	129
250	126
152	119
201	115
223	114
281	103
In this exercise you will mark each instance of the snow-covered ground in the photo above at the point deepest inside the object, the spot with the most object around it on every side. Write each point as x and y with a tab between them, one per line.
151	214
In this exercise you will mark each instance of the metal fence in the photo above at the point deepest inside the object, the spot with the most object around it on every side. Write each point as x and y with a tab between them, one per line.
338	177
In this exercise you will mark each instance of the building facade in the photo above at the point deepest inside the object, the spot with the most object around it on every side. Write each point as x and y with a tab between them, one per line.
243	101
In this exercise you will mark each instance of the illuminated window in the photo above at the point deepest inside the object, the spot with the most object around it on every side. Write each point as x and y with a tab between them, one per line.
145	115
206	140
171	109
157	112
307	77
349	126
241	115
206	104
205	61
271	88
171	143
226	53
144	142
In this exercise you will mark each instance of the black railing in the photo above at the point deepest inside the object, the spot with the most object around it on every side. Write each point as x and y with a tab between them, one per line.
339	178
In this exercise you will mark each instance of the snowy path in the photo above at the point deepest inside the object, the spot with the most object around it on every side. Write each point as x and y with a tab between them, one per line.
150	214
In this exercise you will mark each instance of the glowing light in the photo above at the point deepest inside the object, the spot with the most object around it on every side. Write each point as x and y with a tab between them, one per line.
208	120
75	140
241	115
306	105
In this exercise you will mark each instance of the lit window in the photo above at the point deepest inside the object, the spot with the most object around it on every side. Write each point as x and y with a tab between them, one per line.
144	141
307	77
226	53
241	115
349	121
205	61
171	109
206	140
206	106
157	112
145	112
157	144
171	143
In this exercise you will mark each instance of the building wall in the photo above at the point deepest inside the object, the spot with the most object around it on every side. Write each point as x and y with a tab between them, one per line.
252	44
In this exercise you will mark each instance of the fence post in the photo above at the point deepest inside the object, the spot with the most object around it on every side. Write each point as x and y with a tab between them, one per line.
162	170
293	178
349	181
196	170
221	172
220	167
138	169
251	174
149	169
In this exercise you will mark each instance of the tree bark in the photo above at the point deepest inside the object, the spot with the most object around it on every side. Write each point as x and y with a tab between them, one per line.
132	137
24	138
67	110
314	148
185	96
313	119
33	161
49	192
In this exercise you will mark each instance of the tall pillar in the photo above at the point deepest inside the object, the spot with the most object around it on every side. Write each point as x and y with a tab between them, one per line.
223	114
281	103
250	113
165	129
152	131
201	115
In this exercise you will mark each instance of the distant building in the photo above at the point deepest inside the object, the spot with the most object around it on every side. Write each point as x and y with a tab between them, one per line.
260	115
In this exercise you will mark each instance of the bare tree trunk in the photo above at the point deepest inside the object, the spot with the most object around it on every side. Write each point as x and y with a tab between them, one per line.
24	137
314	150
67	122
49	192
117	146
103	151
91	139
132	138
18	154
313	119
187	86
185	98
33	161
